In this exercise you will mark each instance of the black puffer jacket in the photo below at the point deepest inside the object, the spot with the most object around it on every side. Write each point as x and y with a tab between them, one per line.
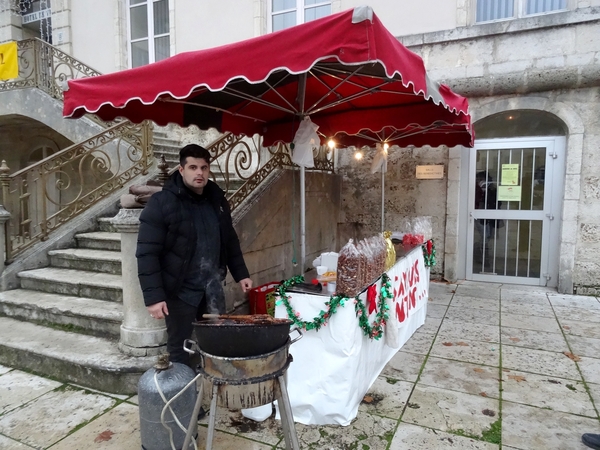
167	240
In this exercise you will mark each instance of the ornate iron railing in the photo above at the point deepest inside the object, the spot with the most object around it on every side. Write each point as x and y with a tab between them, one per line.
43	66
56	189
239	164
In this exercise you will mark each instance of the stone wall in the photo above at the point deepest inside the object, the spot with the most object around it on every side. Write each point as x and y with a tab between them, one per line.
548	63
406	197
270	231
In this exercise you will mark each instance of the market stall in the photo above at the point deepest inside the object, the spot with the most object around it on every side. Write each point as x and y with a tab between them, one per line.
348	341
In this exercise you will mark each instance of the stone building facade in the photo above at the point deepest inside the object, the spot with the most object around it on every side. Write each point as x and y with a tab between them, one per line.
528	77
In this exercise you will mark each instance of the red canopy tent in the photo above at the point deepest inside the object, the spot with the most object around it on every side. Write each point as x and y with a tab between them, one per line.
346	72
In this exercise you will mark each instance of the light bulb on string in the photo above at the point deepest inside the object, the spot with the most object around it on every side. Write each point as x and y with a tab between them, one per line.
331	144
358	155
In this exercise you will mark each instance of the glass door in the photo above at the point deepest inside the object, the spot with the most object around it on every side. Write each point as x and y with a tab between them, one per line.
514	210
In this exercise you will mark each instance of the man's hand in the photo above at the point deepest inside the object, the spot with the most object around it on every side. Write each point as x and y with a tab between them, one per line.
159	310
246	284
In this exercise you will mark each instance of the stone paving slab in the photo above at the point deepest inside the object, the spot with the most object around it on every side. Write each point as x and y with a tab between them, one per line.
584	346
537	340
419	343
590	369
578	328
459	314
366	431
524	299
575	301
476	303
540	362
118	429
579	314
415	437
4	369
436	311
436	288
55	415
440	299
595	394
527	322
486	353
232	422
8	443
446	410
460	376
387	397
430	326
544	310
558	394
479	291
452	330
18	388
404	366
530	428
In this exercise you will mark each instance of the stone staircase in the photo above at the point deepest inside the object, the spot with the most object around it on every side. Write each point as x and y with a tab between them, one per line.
65	319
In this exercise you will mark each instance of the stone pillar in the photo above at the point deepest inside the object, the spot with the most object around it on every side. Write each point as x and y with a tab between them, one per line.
4	216
141	335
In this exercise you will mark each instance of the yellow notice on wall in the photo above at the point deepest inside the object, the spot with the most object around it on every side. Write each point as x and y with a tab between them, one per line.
510	175
509	193
9	66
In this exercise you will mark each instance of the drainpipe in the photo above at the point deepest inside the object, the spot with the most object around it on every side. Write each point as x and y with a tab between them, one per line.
141	335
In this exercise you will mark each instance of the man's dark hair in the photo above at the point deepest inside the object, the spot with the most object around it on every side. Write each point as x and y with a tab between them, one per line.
193	151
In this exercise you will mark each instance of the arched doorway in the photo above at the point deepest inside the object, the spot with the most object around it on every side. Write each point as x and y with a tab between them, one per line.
516	179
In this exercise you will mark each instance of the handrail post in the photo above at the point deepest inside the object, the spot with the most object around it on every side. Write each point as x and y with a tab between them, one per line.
141	335
5	239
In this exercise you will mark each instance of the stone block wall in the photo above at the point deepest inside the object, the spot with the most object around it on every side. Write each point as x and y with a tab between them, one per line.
269	232
406	197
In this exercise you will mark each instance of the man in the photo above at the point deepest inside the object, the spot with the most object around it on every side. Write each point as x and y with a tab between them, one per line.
591	440
185	245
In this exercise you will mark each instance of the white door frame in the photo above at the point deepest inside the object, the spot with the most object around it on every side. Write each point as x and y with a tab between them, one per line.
550	215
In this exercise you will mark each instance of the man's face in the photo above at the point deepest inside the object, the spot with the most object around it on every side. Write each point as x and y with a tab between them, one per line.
195	173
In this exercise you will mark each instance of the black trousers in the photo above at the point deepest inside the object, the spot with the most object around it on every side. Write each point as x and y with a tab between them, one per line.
179	327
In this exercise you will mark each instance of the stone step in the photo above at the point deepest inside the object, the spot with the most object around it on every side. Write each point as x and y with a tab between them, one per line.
105	224
105	261
79	283
86	315
100	240
89	361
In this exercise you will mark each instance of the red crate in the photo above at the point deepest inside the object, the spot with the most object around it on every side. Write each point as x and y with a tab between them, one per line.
257	299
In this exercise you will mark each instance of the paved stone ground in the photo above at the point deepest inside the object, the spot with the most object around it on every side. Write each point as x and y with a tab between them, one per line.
494	366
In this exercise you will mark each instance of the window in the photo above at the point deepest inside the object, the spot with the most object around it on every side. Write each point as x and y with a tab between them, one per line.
287	13
149	31
488	10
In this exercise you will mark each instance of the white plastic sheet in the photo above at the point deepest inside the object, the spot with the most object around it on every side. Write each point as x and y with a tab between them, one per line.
305	140
334	367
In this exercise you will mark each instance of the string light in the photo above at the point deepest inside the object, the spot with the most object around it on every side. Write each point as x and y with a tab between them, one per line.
331	144
358	155
22	7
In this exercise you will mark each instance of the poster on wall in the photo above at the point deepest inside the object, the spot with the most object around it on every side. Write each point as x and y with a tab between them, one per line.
509	193
510	175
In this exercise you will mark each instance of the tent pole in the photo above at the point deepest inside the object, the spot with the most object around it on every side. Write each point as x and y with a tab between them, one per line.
383	170
382	200
302	220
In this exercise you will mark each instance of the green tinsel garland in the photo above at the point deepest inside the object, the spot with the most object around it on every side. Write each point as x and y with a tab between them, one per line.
374	331
429	256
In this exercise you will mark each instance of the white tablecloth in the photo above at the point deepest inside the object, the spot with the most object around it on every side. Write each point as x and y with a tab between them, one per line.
334	367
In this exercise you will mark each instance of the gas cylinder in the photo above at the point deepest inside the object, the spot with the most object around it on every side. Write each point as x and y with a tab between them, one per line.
168	378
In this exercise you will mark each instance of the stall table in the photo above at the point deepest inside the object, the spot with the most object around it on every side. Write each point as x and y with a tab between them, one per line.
334	367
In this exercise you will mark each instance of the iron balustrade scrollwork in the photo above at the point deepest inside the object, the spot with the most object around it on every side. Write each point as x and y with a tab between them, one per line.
58	188
43	66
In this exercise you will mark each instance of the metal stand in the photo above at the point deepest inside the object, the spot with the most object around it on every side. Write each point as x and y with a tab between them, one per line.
280	394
